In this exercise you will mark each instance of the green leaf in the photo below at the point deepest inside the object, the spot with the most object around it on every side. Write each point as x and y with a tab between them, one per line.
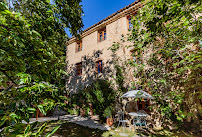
7	11
2	121
33	125
35	32
31	110
183	116
52	132
20	136
41	109
27	129
13	115
179	101
41	129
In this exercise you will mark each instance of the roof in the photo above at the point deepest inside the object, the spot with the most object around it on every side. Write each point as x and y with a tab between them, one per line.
111	18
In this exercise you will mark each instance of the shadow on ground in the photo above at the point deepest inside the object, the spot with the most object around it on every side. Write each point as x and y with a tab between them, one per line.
73	130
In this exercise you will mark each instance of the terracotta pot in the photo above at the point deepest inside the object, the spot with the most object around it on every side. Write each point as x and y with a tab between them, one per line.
109	121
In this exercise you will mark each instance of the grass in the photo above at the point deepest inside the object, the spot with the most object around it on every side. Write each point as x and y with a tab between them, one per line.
118	131
164	133
68	129
73	130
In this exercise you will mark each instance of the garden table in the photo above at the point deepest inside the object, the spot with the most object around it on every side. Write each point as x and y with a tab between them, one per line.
140	120
138	114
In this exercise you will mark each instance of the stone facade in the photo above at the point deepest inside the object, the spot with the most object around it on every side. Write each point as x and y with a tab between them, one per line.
92	50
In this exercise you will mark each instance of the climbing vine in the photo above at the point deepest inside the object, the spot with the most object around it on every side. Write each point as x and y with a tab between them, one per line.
167	36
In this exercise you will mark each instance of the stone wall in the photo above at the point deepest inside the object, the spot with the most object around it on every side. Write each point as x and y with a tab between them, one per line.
92	51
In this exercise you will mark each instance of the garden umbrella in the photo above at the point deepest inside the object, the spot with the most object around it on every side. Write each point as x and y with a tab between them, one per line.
137	94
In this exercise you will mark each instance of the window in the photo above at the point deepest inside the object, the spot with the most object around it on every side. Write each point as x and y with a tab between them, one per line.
102	35
79	69
130	25
136	56
99	66
78	46
129	19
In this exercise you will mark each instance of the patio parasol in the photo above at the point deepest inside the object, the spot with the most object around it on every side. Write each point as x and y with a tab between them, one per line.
137	94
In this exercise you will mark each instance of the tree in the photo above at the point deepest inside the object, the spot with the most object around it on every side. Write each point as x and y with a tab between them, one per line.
50	20
32	59
169	34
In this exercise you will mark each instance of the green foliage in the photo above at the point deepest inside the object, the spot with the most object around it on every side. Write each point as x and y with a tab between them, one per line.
23	102
120	67
32	55
99	94
170	32
44	43
108	111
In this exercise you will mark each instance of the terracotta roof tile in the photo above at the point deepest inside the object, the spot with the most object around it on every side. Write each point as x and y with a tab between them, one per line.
110	16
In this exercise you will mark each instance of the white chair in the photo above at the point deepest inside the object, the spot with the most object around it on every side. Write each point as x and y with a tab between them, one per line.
121	120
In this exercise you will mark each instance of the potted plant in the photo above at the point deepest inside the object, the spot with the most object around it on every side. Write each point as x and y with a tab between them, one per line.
108	115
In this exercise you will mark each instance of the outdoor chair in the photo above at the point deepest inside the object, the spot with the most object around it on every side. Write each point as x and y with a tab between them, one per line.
121	120
140	121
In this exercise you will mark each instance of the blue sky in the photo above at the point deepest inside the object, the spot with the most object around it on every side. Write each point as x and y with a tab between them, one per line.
96	10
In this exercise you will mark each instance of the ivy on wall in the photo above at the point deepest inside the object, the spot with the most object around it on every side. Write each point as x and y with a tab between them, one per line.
168	33
166	40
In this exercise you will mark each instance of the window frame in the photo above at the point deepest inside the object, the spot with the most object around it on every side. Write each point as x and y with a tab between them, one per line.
78	46
129	22
102	32
79	69
96	66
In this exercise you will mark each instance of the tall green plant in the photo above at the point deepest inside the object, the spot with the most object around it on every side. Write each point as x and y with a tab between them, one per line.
168	34
50	19
32	55
99	94
120	67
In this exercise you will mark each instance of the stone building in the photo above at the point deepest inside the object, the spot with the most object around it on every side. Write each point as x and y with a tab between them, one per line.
89	58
